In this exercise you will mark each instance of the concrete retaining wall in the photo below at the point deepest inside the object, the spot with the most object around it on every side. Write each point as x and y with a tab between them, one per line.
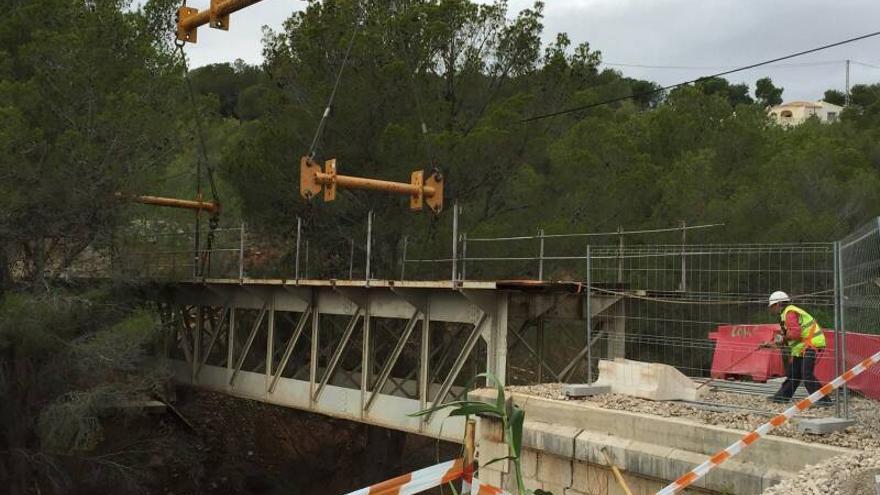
563	440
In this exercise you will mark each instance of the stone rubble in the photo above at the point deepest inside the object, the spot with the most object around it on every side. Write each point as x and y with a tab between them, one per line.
852	474
865	434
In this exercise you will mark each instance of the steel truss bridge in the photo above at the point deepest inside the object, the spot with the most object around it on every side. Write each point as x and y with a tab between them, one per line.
377	351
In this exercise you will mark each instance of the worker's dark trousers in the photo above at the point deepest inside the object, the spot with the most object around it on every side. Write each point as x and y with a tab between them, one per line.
800	369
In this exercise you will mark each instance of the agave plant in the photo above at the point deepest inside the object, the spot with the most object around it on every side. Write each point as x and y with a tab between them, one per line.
510	415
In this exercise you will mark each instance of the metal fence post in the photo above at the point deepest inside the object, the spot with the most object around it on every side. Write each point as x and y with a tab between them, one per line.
351	260
307	260
196	247
403	261
241	254
589	318
541	254
464	256
620	254
454	241
298	241
683	258
369	246
839	361
841	332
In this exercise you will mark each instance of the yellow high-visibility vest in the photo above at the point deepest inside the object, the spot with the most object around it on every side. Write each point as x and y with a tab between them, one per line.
811	333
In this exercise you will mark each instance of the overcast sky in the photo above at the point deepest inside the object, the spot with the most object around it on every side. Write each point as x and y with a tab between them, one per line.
687	38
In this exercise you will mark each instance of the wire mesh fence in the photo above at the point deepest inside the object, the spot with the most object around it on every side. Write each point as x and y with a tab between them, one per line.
859	306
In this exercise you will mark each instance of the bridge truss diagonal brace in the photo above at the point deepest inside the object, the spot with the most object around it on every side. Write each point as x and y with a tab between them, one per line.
250	341
291	344
458	364
497	305
392	359
337	353
217	326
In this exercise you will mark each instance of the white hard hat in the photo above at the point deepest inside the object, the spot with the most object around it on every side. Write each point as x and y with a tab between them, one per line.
778	297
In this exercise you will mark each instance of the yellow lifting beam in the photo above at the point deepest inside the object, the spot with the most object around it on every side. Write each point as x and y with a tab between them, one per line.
217	16
198	204
421	191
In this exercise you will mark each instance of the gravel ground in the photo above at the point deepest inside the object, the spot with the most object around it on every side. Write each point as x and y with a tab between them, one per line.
847	474
865	434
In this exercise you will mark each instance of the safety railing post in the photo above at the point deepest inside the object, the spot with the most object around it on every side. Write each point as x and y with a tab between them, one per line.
241	253
351	260
306	271
541	254
464	256
403	260
369	246
298	245
455	212
620	254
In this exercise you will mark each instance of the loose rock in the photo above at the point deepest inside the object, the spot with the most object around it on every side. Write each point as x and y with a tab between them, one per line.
865	434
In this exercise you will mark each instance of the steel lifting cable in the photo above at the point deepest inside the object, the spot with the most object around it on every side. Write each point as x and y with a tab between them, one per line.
313	149
214	222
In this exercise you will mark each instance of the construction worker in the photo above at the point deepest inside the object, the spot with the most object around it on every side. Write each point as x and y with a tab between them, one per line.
805	340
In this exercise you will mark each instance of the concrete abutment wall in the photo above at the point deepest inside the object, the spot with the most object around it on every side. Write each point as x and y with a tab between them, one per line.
563	442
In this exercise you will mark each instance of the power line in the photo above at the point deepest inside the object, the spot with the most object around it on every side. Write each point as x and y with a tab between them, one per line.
718	74
717	67
863	64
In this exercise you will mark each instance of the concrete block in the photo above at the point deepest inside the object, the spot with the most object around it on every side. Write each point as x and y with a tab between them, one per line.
554	488
490	429
530	483
529	462
585	390
823	426
588	447
554	470
491	477
556	439
653	381
489	451
589	478
508	482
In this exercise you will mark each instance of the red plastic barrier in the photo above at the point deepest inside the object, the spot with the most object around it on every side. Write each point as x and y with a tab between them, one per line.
736	353
734	343
858	347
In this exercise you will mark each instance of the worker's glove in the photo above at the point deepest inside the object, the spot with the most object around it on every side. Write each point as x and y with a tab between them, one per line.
778	338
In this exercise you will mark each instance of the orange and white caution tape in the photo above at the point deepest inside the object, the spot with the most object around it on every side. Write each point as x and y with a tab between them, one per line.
417	481
477	487
701	470
432	477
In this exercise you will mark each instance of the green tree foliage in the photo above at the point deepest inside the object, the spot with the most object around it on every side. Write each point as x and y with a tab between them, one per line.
226	82
767	93
736	94
86	104
835	97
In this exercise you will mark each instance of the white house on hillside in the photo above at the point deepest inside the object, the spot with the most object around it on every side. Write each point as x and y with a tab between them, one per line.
797	112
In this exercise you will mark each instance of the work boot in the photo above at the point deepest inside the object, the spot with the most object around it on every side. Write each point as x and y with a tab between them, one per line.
825	402
777	399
